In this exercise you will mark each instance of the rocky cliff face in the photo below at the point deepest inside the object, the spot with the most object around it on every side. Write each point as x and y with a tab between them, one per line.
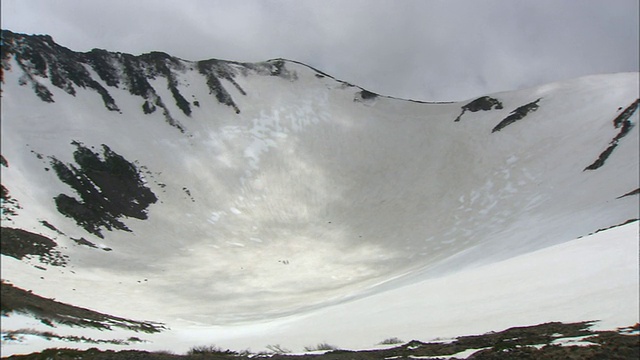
38	57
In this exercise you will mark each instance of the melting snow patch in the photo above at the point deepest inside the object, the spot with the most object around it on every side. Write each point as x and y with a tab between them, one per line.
461	355
235	244
215	216
466	353
574	341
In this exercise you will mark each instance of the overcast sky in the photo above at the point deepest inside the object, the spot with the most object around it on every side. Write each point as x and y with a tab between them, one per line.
418	49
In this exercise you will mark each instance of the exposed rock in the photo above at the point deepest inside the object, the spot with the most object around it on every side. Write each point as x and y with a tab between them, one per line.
8	205
516	115
630	193
50	311
39	57
484	103
20	244
625	125
365	94
109	188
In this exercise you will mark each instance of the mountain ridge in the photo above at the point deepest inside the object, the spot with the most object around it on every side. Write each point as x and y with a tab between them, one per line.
227	193
40	56
98	59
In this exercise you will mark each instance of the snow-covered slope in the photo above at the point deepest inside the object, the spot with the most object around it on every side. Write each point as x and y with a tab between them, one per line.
219	192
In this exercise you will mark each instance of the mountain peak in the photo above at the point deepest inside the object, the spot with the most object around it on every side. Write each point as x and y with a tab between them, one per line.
39	57
220	192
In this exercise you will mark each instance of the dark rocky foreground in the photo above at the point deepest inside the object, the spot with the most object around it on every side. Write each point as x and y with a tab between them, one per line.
545	341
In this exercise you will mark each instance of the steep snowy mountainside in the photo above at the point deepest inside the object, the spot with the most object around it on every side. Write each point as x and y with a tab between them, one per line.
221	191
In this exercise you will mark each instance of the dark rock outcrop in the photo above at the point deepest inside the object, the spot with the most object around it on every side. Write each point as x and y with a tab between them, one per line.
516	115
625	125
110	187
484	103
39	57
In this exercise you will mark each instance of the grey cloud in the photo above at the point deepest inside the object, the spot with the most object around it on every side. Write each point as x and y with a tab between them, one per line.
428	50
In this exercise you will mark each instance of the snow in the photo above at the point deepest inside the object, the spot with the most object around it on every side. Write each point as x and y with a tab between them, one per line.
592	278
391	216
575	341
